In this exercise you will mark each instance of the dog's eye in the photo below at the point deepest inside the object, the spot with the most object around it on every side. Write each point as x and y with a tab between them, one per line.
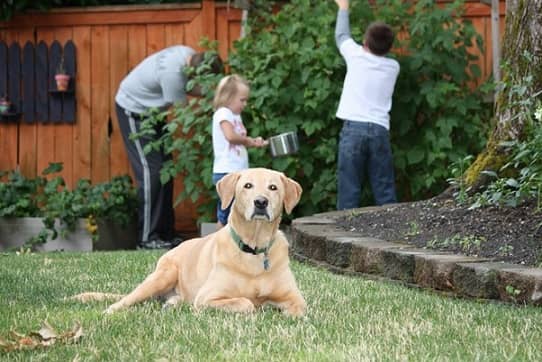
248	185
273	187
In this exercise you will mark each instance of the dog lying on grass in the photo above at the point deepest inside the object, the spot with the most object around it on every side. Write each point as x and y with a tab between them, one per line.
238	268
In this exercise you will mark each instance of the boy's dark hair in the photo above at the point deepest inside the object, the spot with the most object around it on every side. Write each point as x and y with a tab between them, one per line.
379	38
212	59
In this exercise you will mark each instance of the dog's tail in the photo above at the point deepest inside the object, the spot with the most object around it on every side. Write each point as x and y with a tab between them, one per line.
95	297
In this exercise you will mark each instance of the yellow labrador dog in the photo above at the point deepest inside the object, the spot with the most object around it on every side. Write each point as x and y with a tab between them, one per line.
241	266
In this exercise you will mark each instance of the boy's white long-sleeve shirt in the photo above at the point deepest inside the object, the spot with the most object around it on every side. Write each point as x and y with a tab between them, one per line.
369	81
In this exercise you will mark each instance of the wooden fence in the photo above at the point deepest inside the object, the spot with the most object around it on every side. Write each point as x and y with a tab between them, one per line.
109	42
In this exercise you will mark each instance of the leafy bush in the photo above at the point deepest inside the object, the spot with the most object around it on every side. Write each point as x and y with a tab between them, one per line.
520	178
437	116
296	76
48	197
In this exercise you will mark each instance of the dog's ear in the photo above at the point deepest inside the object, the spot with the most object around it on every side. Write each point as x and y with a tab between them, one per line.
226	188
292	193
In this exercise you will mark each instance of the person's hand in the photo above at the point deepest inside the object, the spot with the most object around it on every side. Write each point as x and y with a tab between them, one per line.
342	4
260	142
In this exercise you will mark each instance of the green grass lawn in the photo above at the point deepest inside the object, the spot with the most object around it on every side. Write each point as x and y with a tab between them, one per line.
349	319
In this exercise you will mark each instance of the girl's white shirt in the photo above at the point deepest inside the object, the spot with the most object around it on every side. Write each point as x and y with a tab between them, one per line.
228	157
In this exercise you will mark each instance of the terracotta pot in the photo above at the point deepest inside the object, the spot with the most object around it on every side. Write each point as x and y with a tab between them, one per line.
62	81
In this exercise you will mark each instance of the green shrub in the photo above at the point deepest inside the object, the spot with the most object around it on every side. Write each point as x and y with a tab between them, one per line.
296	76
437	117
520	178
47	196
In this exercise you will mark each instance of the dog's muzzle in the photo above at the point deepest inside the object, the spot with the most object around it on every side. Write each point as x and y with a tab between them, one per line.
260	208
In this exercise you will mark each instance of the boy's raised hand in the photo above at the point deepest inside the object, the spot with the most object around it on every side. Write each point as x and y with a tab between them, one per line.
342	4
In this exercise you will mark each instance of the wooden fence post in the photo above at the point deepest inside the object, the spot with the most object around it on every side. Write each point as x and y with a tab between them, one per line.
208	23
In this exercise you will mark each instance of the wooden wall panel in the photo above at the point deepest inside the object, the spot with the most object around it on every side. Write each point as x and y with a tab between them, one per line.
193	33
82	139
156	38
479	14
63	132
222	32
28	132
174	34
119	67
137	45
9	130
46	130
99	104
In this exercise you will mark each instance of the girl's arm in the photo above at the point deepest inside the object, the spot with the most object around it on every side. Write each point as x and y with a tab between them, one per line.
237	139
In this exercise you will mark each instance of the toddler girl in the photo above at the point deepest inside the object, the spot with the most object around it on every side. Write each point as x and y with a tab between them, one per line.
230	140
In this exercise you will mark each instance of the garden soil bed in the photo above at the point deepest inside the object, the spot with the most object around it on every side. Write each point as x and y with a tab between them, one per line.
512	235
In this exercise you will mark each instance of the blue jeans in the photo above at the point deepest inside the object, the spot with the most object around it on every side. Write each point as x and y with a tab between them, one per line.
221	214
364	149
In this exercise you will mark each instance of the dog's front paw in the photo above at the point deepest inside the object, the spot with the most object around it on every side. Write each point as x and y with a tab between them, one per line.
296	310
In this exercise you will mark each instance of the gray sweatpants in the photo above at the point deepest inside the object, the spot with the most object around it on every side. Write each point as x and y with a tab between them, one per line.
156	215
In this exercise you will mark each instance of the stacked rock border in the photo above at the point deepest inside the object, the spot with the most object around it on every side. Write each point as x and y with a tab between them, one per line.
318	239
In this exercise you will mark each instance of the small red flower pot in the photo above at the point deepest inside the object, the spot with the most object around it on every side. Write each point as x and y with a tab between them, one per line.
62	81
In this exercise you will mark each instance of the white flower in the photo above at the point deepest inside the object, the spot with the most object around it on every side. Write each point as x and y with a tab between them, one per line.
538	114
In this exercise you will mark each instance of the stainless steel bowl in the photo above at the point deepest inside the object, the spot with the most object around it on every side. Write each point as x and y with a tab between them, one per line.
284	144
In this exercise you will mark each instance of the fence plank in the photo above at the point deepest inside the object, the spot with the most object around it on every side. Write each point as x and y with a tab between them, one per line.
9	130
224	35
156	38
28	82
82	150
192	31
137	45
208	19
55	99
3	69
100	103
42	82
28	133
174	34
100	16
137	51
119	67
68	100
14	76
46	132
63	130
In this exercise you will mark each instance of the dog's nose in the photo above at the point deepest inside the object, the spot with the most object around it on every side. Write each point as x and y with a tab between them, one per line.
261	203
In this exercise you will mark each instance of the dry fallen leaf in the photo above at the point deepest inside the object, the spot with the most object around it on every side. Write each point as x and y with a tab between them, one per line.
47	332
45	337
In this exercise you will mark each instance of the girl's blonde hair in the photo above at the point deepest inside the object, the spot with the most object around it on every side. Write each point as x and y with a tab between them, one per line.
227	89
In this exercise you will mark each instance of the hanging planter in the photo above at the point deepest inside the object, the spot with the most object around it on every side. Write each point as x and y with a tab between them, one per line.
62	82
61	77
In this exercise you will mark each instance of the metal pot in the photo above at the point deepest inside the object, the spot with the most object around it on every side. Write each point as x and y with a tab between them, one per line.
284	144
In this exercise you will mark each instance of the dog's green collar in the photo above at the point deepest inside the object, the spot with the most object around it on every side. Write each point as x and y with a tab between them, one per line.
254	251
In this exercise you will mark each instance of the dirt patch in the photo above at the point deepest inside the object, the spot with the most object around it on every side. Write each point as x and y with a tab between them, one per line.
512	235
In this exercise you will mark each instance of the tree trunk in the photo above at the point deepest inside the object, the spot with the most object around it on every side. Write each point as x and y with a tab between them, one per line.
522	57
